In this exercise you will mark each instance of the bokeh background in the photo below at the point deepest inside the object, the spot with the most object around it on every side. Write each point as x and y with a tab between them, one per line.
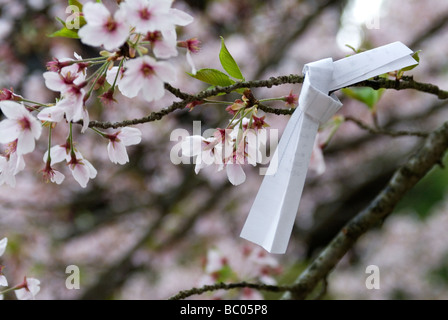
149	229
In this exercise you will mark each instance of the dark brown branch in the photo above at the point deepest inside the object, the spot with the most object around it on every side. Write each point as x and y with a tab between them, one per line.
380	208
405	83
228	286
386	132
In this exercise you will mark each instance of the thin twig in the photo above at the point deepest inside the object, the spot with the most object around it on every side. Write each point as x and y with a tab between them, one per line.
383	131
228	286
405	83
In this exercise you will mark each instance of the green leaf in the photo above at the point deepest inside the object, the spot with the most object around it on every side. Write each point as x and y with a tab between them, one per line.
228	63
75	3
61	21
366	95
213	77
417	58
65	33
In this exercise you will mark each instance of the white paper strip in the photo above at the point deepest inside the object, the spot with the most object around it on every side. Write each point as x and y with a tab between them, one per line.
271	218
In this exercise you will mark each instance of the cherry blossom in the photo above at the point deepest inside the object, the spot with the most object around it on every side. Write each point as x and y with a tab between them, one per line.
58	153
146	75
163	43
69	81
3	280
102	28
82	170
52	175
208	151
28	289
65	78
20	125
118	142
146	15
3	244
229	149
192	46
10	166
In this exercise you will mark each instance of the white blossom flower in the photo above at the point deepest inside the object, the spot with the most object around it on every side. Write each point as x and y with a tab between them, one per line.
3	280
10	166
235	173
118	142
52	175
82	170
64	80
163	43
58	153
20	125
29	289
71	105
147	75
207	151
152	15
102	28
3	244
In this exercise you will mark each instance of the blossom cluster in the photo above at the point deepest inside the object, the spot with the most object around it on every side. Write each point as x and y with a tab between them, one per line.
239	143
27	290
137	39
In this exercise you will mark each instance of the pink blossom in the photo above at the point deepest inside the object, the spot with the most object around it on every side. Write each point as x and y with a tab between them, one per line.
64	80
58	153
3	280
70	82
235	174
102	28
6	94
10	166
118	142
291	100
192	46
3	244
82	170
28	289
20	125
49	174
146	15
163	43
147	75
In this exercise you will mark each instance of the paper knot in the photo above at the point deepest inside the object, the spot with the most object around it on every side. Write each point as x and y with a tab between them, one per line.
271	218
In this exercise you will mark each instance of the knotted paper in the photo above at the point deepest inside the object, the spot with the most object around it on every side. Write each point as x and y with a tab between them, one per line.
271	218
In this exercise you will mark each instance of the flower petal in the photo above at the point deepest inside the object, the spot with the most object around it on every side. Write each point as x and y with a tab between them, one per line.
25	143
13	110
9	130
235	174
179	17
95	13
130	136
192	146
3	244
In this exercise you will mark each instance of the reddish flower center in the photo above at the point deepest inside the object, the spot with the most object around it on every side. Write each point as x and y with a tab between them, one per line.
145	14
147	70
111	25
25	123
154	36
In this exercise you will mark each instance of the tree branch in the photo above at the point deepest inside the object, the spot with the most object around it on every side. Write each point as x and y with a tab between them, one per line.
380	208
377	83
228	286
386	132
